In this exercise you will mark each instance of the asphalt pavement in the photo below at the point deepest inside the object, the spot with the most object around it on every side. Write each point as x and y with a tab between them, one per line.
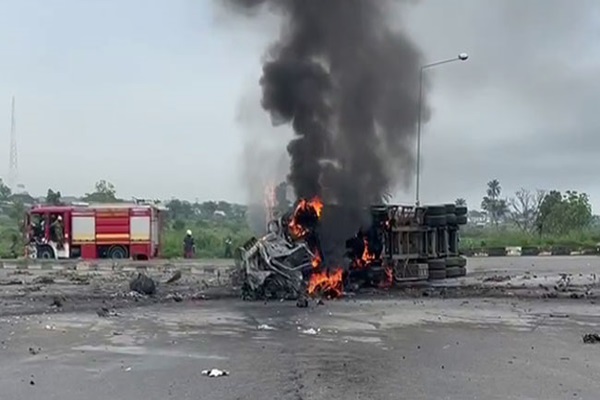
351	348
345	349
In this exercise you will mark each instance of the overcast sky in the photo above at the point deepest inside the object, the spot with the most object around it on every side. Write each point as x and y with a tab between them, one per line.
158	96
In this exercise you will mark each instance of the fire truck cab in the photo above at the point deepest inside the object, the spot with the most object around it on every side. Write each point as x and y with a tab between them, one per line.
114	231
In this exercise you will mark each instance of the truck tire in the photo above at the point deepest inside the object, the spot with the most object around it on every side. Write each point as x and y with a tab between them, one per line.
435	210
460	210
45	252
436	275
436	265
117	253
435	220
451	219
450	208
463	271
453	272
461	220
456	262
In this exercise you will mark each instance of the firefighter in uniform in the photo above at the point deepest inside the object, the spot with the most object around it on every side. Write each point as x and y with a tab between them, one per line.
228	253
58	232
189	246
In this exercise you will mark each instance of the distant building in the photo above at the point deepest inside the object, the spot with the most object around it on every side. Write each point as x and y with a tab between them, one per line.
478	218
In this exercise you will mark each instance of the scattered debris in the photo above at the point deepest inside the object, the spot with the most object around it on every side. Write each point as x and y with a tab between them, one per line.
559	315
50	327
214	373
43	280
104	312
302	302
175	277
33	351
265	327
311	331
497	278
58	301
176	297
79	279
143	284
11	282
591	338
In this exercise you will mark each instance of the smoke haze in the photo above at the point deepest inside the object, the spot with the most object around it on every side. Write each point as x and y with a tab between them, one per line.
347	83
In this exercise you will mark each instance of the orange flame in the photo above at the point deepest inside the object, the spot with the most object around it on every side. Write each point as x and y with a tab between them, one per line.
389	277
326	282
296	229
316	261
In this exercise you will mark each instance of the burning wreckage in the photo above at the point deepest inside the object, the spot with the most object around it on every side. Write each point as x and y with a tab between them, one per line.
401	243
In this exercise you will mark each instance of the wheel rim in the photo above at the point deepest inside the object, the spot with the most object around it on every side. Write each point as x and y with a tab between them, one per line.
118	253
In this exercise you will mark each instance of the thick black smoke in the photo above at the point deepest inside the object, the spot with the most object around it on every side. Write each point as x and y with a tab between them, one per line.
347	82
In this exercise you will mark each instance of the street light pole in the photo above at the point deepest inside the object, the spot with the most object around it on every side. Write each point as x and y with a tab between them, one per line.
460	57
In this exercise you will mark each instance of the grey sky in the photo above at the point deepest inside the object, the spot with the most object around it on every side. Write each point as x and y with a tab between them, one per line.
160	96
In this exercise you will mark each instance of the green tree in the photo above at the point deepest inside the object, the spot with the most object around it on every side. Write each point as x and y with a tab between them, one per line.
496	207
5	191
104	192
460	202
53	198
560	214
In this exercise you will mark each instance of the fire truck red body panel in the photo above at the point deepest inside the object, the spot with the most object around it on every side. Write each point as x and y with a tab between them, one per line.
97	231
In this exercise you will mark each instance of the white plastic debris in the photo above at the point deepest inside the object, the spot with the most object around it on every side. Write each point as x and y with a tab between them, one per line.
214	373
311	331
265	327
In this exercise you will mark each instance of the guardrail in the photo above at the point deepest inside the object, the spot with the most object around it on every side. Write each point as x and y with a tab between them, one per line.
518	251
186	265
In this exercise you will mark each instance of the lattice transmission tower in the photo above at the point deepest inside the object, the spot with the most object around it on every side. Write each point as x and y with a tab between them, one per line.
13	162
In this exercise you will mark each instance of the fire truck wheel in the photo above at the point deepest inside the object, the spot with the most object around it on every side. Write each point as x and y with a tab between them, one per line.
45	252
436	265
463	271
117	253
453	272
435	220
460	210
461	220
437	275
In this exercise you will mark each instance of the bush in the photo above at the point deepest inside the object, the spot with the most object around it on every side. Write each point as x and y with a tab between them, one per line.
488	237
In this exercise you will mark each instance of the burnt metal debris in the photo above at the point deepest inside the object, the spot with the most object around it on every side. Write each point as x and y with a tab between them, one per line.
401	243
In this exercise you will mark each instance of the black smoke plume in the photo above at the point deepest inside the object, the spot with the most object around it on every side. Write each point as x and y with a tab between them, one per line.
347	82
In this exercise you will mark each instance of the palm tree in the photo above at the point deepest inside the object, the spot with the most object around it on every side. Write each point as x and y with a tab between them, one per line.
494	189
460	202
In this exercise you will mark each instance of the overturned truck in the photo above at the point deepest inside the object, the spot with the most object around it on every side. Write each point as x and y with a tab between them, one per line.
399	243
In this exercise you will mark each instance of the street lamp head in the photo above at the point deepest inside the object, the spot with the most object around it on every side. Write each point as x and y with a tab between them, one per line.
463	56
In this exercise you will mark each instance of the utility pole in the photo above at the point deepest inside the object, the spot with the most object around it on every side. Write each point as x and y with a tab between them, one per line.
13	166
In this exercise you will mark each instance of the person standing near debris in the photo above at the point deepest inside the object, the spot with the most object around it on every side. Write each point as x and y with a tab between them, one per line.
228	242
189	246
58	231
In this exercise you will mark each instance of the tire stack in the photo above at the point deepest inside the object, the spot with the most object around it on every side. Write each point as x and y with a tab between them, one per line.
444	221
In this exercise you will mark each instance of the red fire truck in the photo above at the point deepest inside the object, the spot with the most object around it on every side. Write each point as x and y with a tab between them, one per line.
114	231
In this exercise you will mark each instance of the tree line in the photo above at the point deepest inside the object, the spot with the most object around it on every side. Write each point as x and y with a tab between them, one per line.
538	212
